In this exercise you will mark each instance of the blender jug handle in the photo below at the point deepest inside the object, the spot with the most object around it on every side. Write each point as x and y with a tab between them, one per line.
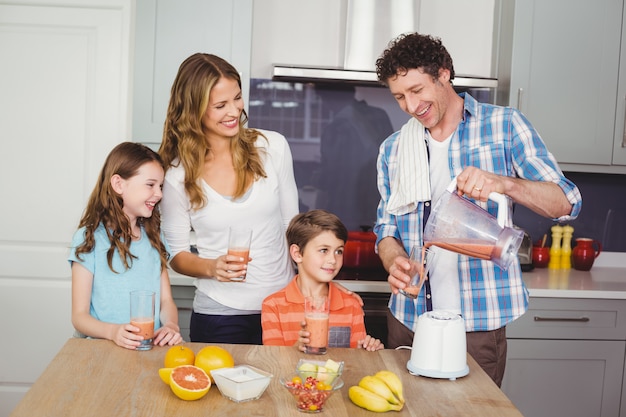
502	216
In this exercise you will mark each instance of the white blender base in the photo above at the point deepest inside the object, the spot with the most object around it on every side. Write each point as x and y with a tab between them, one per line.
433	373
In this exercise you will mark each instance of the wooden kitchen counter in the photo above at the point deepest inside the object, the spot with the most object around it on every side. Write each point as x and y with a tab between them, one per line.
98	378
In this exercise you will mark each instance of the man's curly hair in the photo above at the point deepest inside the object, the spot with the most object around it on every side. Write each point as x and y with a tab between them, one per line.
412	50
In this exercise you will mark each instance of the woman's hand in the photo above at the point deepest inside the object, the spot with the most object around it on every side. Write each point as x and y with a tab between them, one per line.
230	268
352	293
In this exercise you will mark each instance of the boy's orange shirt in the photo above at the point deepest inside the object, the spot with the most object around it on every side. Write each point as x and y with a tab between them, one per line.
283	311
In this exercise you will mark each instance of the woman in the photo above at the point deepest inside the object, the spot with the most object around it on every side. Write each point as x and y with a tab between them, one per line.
219	174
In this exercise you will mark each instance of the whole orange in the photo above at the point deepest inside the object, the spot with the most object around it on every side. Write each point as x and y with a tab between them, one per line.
213	357
178	356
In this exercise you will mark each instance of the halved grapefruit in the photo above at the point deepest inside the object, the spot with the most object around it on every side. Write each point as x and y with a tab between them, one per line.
165	373
189	382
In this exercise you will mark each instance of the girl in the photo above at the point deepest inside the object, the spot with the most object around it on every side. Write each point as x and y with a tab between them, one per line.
118	248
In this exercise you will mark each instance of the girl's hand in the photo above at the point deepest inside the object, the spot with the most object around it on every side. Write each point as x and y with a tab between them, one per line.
167	335
371	344
303	337
124	335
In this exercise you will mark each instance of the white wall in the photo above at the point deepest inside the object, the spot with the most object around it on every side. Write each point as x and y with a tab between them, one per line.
64	104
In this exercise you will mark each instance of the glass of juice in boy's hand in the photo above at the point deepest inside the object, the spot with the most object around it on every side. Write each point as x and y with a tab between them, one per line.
316	310
239	240
142	316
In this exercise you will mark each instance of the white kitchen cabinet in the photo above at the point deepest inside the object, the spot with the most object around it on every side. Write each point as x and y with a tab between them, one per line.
566	78
566	358
169	31
183	297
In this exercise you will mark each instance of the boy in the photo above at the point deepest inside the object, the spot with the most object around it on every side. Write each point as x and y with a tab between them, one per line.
316	240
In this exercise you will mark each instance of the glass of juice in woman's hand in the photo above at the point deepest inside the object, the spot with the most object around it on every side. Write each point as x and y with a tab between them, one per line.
142	316
316	311
239	240
420	260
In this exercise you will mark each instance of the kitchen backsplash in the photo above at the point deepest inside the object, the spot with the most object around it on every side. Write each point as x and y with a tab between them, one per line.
334	131
603	215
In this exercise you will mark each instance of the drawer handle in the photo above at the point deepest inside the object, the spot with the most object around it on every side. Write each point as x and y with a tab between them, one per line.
575	319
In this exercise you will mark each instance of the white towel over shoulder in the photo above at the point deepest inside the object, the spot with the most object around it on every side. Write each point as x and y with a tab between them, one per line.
411	183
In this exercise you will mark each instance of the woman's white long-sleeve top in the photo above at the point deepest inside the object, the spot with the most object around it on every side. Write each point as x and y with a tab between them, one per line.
267	209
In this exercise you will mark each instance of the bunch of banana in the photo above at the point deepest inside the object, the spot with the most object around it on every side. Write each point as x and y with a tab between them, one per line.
380	392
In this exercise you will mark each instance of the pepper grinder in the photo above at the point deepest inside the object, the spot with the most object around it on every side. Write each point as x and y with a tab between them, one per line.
566	248
555	249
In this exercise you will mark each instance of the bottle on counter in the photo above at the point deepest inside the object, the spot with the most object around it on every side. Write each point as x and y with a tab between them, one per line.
566	247
555	249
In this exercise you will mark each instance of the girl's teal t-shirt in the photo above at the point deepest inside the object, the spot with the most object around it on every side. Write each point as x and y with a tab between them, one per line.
110	294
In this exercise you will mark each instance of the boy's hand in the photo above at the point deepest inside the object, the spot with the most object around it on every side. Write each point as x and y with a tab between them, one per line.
371	344
303	337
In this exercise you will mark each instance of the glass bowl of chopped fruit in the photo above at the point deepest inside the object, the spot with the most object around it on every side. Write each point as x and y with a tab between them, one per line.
310	394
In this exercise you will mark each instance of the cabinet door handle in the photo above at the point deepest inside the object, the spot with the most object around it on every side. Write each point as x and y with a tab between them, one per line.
575	319
520	91
624	129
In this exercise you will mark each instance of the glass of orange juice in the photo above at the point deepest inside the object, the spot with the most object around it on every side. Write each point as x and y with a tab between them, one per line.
239	240
420	260
142	316
316	311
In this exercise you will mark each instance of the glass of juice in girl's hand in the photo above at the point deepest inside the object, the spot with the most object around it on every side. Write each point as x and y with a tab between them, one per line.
420	260
142	316
316	311
239	245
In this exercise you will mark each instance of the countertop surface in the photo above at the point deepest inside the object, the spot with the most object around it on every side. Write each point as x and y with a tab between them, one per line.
98	378
605	280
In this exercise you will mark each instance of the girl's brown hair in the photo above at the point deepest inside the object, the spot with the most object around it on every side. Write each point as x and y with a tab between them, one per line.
105	207
184	140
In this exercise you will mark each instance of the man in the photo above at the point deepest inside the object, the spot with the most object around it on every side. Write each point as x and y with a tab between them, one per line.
487	148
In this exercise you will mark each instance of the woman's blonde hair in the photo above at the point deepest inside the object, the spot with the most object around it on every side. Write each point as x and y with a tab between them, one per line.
105	206
184	140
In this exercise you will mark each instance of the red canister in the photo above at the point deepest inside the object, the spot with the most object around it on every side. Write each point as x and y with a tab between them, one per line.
585	252
360	252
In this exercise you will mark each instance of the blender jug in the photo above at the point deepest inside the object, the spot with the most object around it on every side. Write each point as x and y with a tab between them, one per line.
458	225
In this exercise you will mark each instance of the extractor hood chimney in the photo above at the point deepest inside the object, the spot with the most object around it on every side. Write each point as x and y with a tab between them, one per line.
370	25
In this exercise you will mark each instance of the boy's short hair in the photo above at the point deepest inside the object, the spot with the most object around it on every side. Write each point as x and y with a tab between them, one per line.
306	226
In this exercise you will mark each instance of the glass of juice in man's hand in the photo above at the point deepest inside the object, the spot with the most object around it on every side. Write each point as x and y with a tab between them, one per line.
142	316
420	260
239	240
316	311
